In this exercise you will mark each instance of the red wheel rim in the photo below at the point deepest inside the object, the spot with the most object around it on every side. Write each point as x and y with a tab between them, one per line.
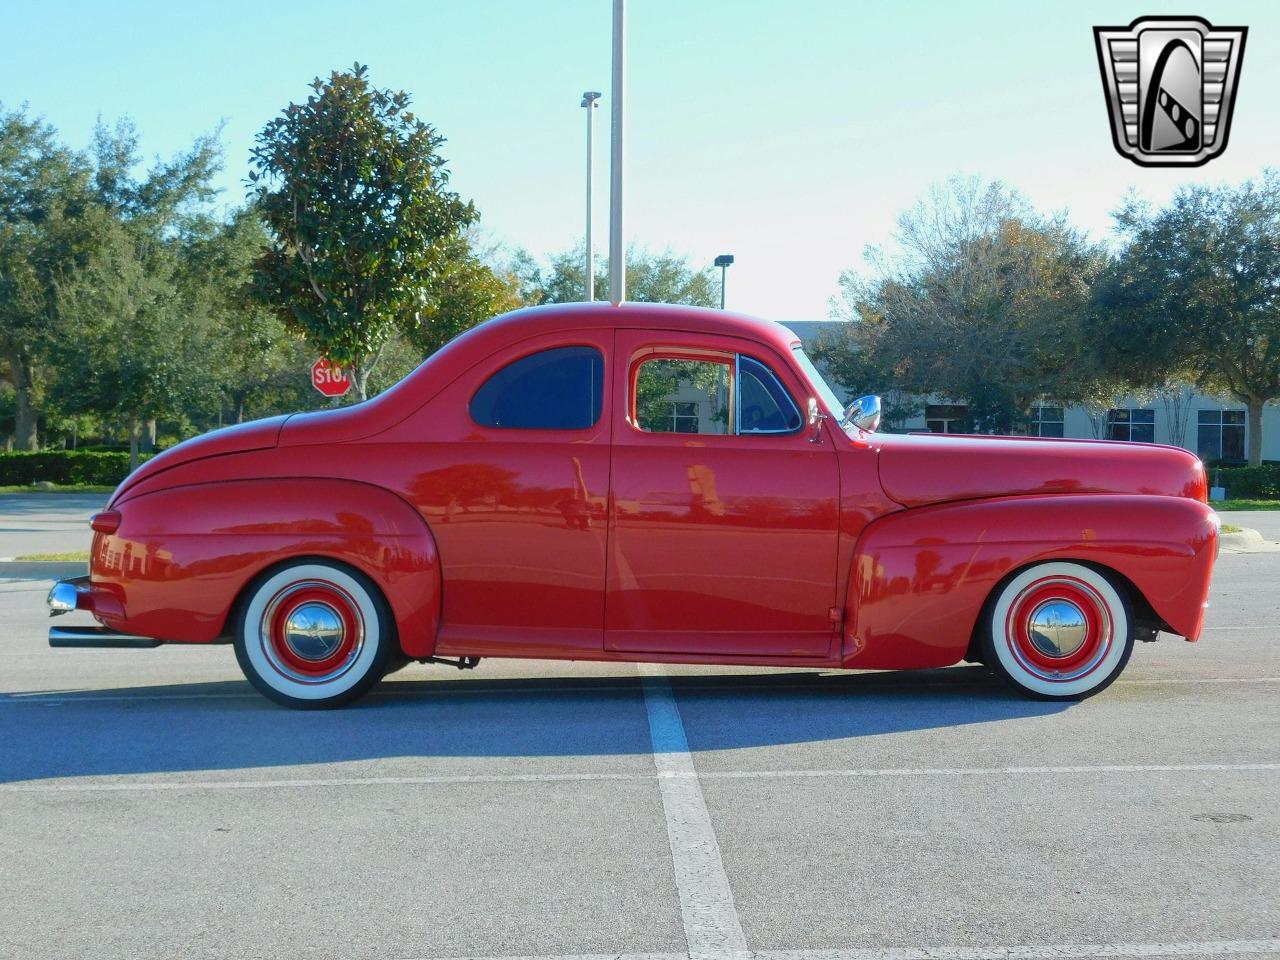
1053	608
312	631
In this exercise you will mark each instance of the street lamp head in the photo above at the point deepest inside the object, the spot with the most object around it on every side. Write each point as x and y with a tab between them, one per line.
590	97
724	260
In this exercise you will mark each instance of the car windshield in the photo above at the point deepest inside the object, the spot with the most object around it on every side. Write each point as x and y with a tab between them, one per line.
828	396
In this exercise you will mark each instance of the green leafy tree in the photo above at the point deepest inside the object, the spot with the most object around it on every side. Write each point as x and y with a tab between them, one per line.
254	355
131	325
43	189
984	302
140	351
1195	295
464	293
651	278
355	194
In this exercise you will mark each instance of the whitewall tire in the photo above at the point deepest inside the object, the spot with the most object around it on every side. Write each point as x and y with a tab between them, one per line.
1058	631
314	634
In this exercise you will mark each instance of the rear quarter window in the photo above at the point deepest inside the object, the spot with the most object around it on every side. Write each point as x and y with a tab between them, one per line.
557	389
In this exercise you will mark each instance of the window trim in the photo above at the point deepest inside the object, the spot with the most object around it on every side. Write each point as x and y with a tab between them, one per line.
693	354
728	357
494	371
737	391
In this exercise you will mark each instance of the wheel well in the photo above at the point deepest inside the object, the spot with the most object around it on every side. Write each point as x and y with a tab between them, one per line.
242	595
1144	616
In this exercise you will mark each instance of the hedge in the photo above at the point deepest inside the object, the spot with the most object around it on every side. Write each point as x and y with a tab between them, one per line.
1249	483
64	466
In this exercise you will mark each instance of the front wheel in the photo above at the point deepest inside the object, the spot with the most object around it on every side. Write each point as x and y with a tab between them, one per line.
314	634
1058	631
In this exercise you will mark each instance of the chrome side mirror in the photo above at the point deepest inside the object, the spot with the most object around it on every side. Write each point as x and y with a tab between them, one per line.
864	413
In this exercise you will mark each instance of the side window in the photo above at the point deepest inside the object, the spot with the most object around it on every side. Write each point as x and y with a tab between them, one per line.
764	406
684	396
557	389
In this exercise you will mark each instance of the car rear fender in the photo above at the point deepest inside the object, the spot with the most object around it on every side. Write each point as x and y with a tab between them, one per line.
181	556
921	576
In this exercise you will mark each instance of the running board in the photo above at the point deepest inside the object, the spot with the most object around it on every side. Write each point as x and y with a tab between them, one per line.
97	637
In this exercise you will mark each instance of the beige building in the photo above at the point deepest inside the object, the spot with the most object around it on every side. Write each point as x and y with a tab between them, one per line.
1211	427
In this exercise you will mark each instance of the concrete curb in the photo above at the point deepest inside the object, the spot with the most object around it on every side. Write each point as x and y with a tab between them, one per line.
41	569
1247	540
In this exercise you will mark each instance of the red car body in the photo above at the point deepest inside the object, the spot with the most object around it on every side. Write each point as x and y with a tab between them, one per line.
824	547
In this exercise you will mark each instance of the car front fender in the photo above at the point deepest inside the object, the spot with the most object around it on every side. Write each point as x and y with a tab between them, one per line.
921	576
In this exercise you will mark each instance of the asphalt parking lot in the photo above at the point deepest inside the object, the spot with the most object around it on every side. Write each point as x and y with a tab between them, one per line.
153	806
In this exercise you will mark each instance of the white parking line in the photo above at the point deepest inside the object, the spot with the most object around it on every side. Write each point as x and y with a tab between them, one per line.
711	925
669	767
1060	951
990	771
1057	951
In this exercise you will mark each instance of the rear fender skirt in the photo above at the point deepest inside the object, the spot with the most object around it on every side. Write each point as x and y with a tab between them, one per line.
921	576
182	556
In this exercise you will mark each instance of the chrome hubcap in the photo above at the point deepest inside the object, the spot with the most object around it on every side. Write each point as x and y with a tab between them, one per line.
314	631
1058	628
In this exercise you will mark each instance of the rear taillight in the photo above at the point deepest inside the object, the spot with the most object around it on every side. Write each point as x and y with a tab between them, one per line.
108	521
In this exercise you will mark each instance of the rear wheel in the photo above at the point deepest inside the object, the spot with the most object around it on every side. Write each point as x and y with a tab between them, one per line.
1058	631
314	634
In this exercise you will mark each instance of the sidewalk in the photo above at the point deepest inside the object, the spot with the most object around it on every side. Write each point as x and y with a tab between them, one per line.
46	522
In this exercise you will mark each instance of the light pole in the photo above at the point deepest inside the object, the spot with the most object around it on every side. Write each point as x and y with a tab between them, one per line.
723	262
589	101
617	256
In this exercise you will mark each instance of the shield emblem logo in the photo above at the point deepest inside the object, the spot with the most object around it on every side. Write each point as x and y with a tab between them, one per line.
1170	84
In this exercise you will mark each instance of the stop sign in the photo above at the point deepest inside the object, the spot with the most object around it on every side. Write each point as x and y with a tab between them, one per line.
329	378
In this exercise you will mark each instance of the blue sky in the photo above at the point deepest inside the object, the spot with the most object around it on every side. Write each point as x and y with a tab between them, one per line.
790	134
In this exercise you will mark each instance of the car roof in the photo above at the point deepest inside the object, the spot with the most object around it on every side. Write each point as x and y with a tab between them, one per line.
485	339
558	317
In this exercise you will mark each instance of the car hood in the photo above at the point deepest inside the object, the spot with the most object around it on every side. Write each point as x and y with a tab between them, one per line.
255	435
916	470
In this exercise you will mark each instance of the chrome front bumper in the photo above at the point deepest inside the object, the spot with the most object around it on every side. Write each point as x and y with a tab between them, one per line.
74	594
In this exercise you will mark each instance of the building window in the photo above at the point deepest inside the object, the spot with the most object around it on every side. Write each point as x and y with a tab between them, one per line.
684	396
945	417
1047	422
1220	435
1138	426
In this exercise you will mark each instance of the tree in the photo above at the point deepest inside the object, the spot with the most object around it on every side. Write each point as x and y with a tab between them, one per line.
130	325
355	194
139	351
253	353
465	292
984	303
651	278
1196	293
42	190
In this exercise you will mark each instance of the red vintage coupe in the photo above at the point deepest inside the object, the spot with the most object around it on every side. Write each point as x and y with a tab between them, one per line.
646	483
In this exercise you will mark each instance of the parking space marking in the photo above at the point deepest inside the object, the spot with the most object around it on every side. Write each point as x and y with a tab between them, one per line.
989	771
670	766
162	785
711	924
1058	951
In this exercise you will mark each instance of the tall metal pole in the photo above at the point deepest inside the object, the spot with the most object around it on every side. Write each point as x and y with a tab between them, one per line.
617	256
589	272
724	269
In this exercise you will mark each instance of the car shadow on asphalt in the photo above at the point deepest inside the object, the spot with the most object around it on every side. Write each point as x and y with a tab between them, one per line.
227	726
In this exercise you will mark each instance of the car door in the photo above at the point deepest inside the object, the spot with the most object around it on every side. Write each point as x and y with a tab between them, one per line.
514	485
723	512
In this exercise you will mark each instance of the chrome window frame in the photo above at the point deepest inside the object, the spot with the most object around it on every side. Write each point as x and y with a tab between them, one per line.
737	397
